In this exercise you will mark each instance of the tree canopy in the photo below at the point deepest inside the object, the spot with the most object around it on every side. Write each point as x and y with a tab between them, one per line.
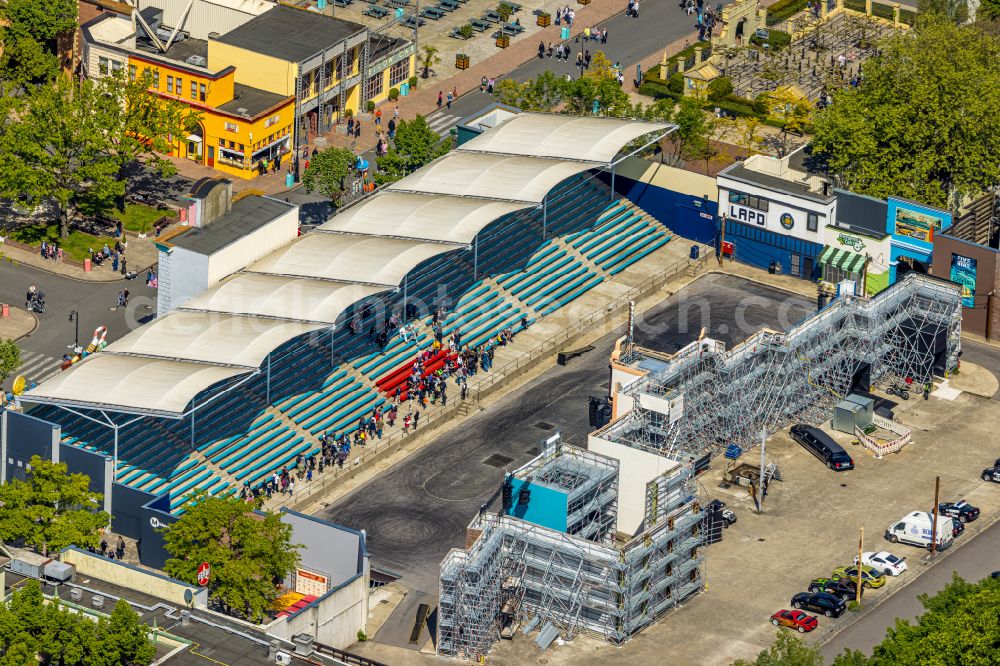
415	144
31	629
248	552
10	359
787	650
28	32
961	625
922	124
51	509
328	171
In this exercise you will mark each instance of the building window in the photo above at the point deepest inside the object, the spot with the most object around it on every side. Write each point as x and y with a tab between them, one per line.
131	72
272	120
116	66
170	84
399	72
156	79
104	65
232	127
834	275
304	83
232	157
812	222
201	92
194	90
796	266
330	69
748	200
180	86
315	81
373	87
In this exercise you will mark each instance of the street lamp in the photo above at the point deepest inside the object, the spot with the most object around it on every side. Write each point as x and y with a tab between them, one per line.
74	316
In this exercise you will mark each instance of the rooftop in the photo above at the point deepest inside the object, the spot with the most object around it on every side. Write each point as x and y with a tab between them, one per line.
180	50
862	214
739	172
247	215
253	101
290	34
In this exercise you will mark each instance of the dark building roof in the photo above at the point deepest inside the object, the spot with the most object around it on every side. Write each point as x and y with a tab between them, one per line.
739	172
859	213
290	34
254	101
246	216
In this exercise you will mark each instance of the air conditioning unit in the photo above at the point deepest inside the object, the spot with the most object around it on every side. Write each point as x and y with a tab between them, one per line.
164	34
197	61
283	658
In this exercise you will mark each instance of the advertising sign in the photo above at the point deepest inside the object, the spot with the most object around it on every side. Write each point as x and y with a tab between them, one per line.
204	572
747	215
916	225
963	272
309	582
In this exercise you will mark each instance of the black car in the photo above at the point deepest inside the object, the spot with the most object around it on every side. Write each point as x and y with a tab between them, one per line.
961	510
957	527
820	602
818	443
992	473
835	586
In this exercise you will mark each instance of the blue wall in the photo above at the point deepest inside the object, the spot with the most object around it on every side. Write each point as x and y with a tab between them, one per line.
546	507
759	247
908	245
688	216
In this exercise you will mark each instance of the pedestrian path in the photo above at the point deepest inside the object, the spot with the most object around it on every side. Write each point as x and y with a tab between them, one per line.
442	121
37	367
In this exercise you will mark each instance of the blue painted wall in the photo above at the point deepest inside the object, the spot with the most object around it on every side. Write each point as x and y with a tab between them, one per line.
907	245
759	247
688	216
546	507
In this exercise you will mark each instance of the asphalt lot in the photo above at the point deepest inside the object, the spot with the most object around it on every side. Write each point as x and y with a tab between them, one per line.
416	511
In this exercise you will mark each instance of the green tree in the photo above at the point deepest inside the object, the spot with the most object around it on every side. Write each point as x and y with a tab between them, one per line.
922	124
122	639
10	359
139	124
428	59
989	10
328	171
542	93
415	145
51	509
28	32
247	551
961	625
956	11
691	140
787	650
55	148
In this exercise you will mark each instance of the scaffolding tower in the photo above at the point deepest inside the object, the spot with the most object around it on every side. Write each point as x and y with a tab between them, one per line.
907	333
593	581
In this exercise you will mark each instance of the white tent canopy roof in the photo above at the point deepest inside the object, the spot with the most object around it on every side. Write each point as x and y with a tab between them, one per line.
428	216
526	179
209	337
302	299
562	136
130	383
350	258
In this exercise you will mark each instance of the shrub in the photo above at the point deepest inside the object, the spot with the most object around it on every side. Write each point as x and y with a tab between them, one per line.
675	83
761	106
719	88
853	605
348	113
776	40
657	90
362	636
732	107
393	94
412	81
371	106
784	9
466	31
505	11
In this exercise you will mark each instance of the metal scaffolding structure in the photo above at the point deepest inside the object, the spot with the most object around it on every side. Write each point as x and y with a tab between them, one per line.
707	398
593	581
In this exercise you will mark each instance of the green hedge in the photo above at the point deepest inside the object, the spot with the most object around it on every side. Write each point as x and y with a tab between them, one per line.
654	74
657	90
777	40
783	10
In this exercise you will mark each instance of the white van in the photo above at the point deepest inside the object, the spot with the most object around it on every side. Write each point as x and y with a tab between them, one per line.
916	528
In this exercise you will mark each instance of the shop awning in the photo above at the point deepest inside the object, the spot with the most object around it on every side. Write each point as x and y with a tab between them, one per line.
845	260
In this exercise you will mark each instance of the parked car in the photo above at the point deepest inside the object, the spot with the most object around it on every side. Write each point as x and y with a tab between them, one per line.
728	516
870	576
992	473
821	602
795	619
916	528
836	587
957	527
884	561
961	509
821	445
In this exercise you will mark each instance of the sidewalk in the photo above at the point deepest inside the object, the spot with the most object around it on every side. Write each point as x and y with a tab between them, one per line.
141	254
18	324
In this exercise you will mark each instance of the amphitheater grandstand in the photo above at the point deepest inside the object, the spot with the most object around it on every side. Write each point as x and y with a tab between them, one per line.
241	379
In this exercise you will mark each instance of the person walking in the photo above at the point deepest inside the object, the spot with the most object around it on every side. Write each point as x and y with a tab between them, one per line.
450	99
440	98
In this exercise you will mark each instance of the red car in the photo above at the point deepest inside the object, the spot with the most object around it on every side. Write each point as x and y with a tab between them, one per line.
796	619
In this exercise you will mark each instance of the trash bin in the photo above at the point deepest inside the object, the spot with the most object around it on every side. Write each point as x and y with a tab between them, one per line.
399	13
695	250
564	33
321	4
4	310
289	179
772	268
404	89
86	265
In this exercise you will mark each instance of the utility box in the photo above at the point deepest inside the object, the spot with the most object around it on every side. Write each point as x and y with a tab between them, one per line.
854	412
303	644
28	563
60	572
868	407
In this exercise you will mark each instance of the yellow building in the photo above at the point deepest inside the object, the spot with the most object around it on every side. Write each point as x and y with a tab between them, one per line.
264	88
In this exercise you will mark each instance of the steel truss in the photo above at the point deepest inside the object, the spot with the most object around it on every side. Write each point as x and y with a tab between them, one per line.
771	379
519	571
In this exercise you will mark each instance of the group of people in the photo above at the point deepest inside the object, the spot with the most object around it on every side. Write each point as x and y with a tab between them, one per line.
118	552
123	297
115	255
452	94
486	84
565	15
51	251
705	20
269	164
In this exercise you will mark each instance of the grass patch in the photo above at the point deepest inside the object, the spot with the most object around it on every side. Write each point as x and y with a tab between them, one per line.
75	247
784	9
139	218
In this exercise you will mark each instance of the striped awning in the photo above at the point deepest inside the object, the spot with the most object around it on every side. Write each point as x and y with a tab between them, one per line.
845	260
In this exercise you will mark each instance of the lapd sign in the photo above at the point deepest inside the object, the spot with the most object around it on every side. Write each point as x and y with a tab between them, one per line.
747	215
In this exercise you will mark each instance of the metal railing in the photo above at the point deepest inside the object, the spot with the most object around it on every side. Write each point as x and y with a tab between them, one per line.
497	377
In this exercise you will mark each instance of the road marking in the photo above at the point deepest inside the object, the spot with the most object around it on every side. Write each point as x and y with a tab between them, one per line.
37	367
443	123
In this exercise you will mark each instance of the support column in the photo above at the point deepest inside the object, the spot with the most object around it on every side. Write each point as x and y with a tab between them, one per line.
612	183
545	215
114	464
475	258
868	8
895	15
268	390
406	279
192	421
